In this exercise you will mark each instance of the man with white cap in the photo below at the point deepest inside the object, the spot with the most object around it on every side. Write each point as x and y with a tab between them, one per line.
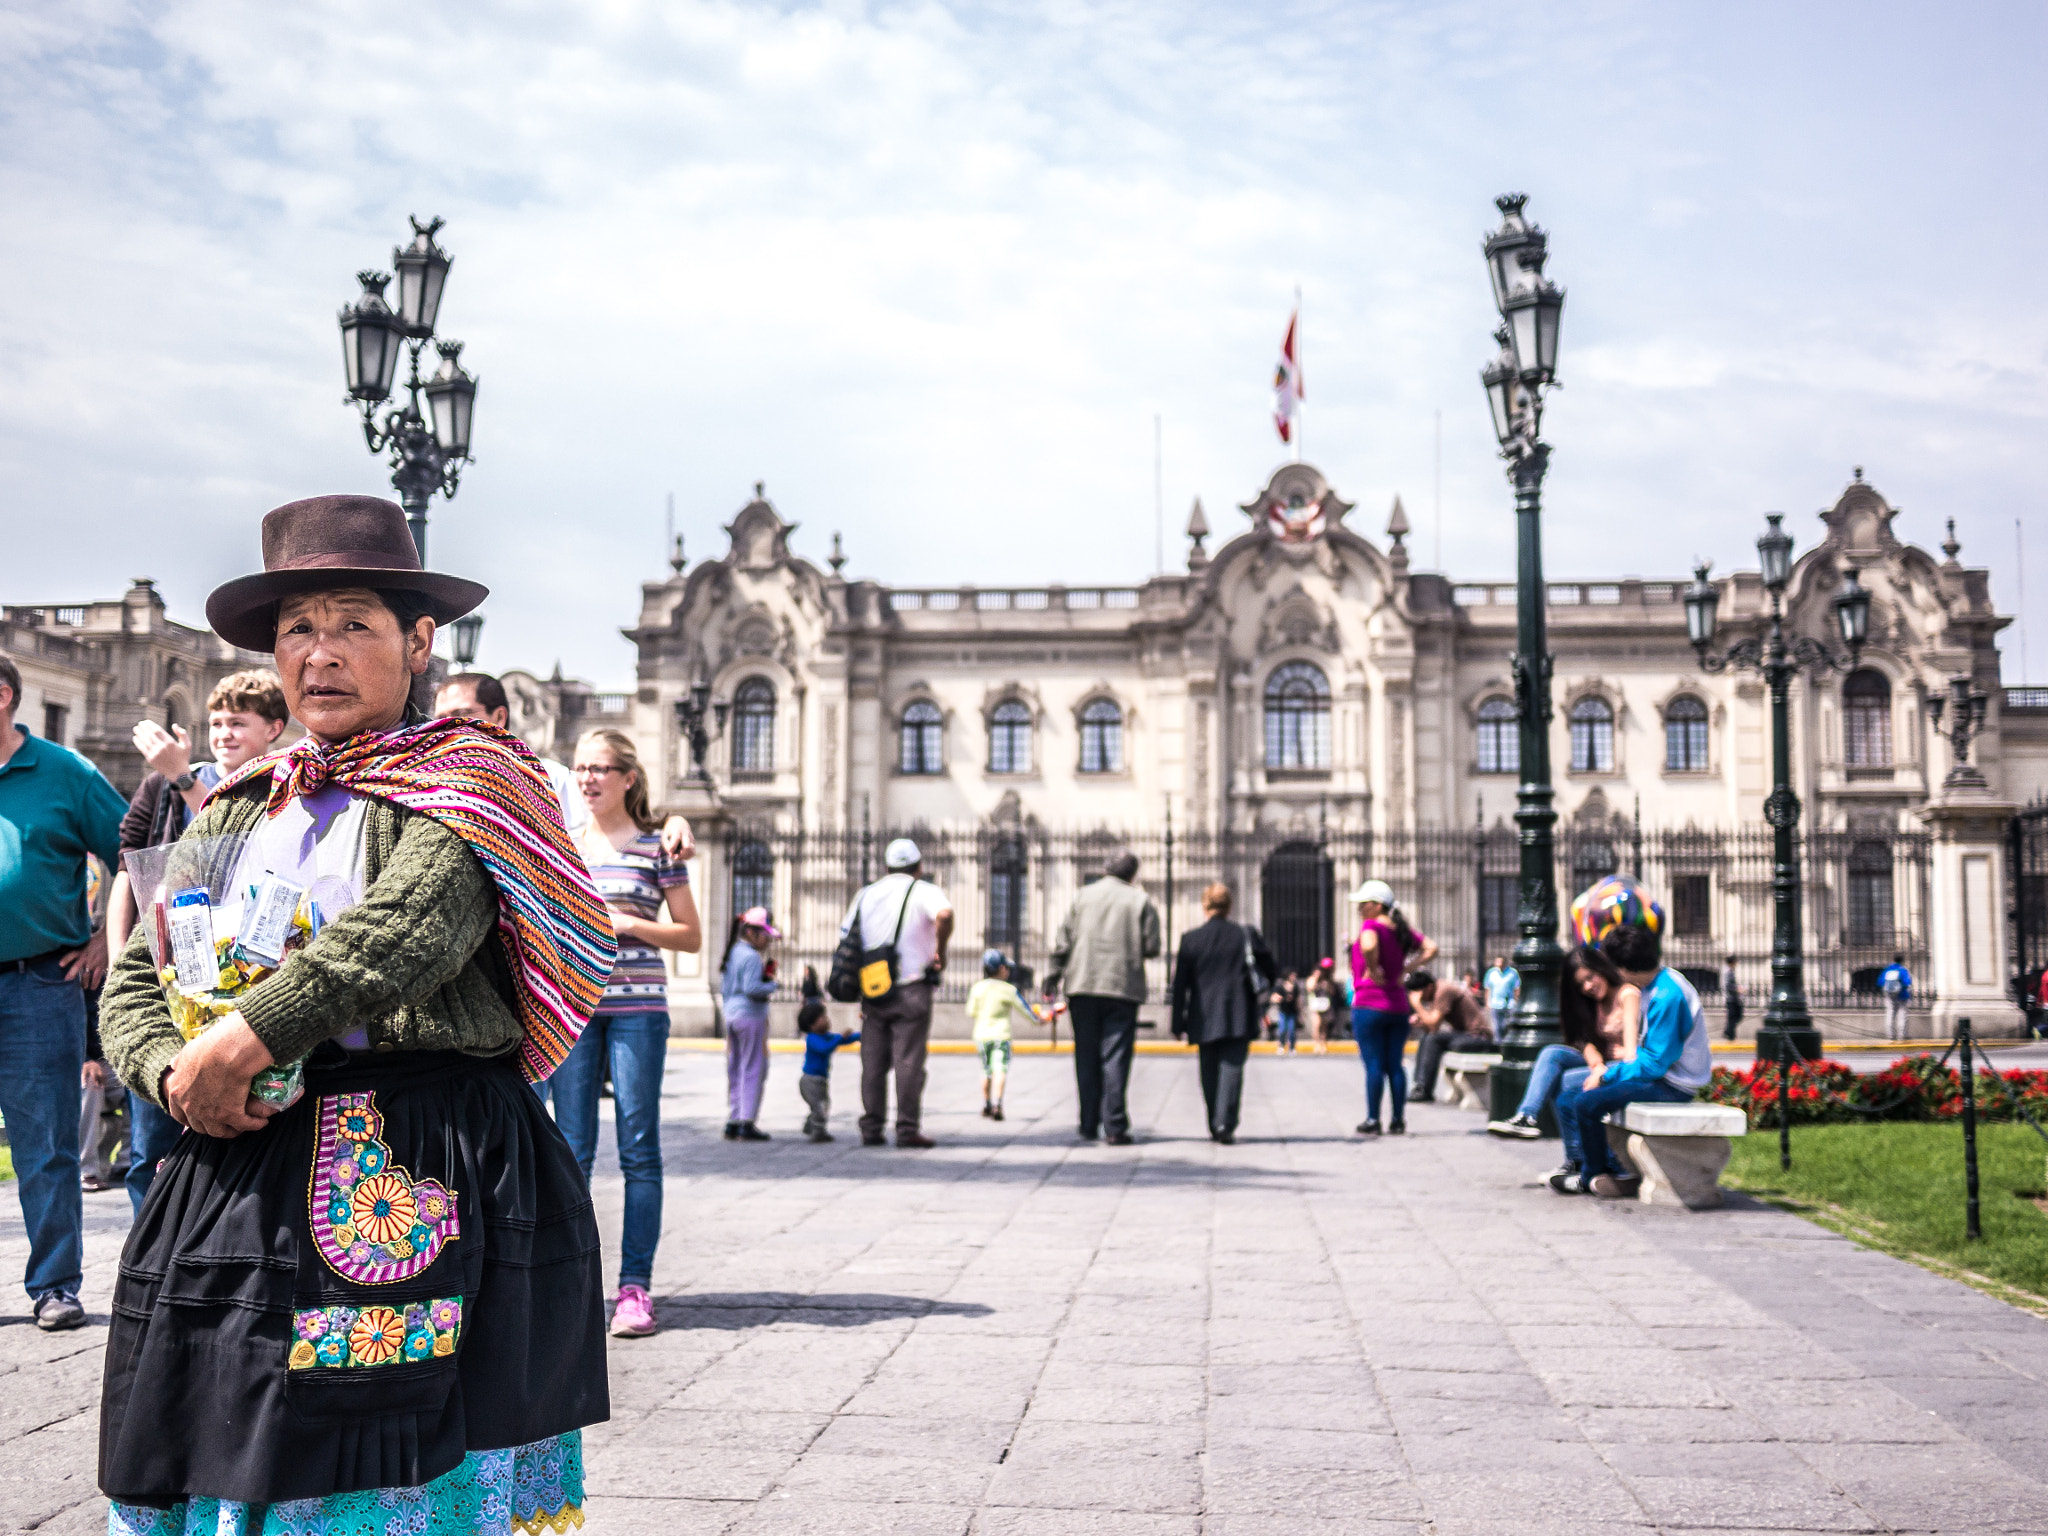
905	925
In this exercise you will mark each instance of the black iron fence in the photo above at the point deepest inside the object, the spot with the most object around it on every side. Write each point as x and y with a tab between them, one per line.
2027	889
1866	894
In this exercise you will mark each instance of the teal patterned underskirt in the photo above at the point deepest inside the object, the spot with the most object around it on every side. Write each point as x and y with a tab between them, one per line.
530	1488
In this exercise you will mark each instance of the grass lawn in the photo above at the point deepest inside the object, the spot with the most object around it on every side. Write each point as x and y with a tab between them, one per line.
1898	1187
6	1163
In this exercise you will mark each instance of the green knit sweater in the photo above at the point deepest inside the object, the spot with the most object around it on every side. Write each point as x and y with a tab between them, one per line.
417	962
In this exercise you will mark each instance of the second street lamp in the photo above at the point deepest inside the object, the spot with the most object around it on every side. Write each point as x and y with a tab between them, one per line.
1786	1019
1529	308
426	455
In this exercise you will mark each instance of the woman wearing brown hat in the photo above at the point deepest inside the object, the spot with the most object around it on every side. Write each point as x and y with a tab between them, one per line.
382	1304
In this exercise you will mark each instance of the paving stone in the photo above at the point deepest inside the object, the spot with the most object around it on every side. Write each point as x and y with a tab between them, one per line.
1016	1335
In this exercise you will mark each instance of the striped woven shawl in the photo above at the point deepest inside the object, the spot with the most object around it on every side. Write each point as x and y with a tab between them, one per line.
484	785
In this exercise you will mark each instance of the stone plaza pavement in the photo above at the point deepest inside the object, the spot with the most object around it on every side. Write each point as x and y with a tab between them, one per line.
1017	1335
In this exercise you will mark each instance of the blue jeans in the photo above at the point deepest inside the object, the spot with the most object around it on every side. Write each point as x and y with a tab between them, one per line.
42	1052
1382	1036
636	1045
151	1135
1579	1114
1283	1032
1546	1073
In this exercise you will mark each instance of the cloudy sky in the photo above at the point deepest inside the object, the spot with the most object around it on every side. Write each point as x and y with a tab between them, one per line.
930	271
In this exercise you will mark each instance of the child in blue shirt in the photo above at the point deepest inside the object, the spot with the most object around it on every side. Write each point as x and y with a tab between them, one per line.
815	1083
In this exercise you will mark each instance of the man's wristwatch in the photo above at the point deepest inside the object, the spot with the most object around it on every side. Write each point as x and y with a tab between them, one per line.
184	781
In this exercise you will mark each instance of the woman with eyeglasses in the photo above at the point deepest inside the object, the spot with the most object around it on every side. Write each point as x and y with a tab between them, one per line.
652	909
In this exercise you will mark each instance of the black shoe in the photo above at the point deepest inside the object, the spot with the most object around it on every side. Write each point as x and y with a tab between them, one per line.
1368	1128
732	1130
873	1141
1226	1138
819	1135
1417	1096
914	1141
1568	1181
57	1311
988	1111
1089	1136
748	1131
1524	1126
1398	1128
996	1113
1120	1139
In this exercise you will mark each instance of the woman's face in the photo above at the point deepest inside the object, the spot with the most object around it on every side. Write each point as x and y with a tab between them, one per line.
346	665
599	778
1592	983
1368	910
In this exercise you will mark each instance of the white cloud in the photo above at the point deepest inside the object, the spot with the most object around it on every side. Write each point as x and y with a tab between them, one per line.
930	270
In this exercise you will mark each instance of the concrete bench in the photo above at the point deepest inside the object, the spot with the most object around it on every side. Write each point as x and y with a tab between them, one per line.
1467	1072
1678	1149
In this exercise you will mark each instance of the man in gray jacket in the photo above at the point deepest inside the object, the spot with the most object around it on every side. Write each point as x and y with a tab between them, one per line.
1100	954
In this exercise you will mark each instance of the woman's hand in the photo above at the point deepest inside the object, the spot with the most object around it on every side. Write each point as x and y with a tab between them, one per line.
624	924
1593	1078
207	1086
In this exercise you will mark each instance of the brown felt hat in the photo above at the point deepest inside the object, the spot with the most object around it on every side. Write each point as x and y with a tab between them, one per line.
324	543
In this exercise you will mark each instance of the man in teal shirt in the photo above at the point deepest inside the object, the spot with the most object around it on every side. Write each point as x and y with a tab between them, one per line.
55	808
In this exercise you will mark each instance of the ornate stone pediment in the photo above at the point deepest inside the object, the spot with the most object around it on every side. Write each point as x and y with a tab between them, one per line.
1298	619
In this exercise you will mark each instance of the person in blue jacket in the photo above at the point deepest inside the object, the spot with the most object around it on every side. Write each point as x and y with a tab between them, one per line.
1896	983
1670	1065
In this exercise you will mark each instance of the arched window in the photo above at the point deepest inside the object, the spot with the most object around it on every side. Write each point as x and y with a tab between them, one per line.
1592	722
1685	735
1500	737
1867	719
753	727
1009	737
923	729
1297	717
753	875
1102	737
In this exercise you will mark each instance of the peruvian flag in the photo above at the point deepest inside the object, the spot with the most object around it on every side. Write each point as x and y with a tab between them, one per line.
1287	390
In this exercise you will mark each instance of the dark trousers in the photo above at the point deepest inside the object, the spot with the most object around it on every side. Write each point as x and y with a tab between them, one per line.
1105	1039
1223	1081
1431	1052
894	1031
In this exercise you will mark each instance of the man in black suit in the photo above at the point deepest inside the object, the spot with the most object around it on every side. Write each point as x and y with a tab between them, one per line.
1217	1002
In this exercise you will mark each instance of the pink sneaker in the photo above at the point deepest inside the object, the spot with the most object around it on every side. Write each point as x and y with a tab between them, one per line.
633	1317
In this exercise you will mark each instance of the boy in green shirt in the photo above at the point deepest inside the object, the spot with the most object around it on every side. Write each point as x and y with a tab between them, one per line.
990	1002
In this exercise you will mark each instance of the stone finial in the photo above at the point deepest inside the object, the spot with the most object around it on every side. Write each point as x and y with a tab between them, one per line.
761	488
1198	530
676	562
1397	530
838	557
1951	546
1856	474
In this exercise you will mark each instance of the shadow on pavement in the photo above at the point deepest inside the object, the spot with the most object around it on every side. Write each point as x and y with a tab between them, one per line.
733	1310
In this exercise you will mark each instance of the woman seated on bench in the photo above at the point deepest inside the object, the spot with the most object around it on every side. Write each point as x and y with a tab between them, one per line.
1600	1014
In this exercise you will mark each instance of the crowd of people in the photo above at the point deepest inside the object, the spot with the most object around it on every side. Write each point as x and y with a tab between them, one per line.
500	956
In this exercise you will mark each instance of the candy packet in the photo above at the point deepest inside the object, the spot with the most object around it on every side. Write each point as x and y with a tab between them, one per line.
221	917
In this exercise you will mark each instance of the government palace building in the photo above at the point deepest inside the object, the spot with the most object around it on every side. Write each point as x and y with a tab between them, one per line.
1299	710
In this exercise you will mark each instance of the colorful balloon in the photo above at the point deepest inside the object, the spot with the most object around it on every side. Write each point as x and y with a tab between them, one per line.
1615	902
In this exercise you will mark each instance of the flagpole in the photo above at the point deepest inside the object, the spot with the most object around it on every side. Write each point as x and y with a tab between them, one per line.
1300	411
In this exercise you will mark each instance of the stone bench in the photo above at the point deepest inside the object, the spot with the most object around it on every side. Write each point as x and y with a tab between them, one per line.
1467	1072
1678	1149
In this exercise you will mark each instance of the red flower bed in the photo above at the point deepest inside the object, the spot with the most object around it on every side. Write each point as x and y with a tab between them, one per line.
1911	1088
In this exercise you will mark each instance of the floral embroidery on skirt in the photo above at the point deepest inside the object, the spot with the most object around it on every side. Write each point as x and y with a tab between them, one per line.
531	1488
335	1337
372	1221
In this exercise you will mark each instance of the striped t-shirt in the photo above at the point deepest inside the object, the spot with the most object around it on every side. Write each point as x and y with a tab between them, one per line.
637	879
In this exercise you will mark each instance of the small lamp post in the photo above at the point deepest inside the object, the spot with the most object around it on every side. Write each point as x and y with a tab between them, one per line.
428	448
468	630
1965	706
1786	1019
1530	307
691	709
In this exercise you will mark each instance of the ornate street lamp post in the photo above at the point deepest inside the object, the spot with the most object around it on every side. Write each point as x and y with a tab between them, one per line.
1786	1021
1969	704
426	455
691	709
1530	306
468	630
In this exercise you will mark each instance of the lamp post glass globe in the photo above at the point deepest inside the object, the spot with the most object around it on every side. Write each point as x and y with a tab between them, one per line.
1774	549
370	341
1515	252
1532	314
451	396
422	269
1852	612
468	630
1702	604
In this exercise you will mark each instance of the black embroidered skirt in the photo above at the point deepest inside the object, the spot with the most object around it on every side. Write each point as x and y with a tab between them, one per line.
400	1269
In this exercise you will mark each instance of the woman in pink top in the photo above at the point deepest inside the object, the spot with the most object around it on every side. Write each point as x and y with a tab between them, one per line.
1384	951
